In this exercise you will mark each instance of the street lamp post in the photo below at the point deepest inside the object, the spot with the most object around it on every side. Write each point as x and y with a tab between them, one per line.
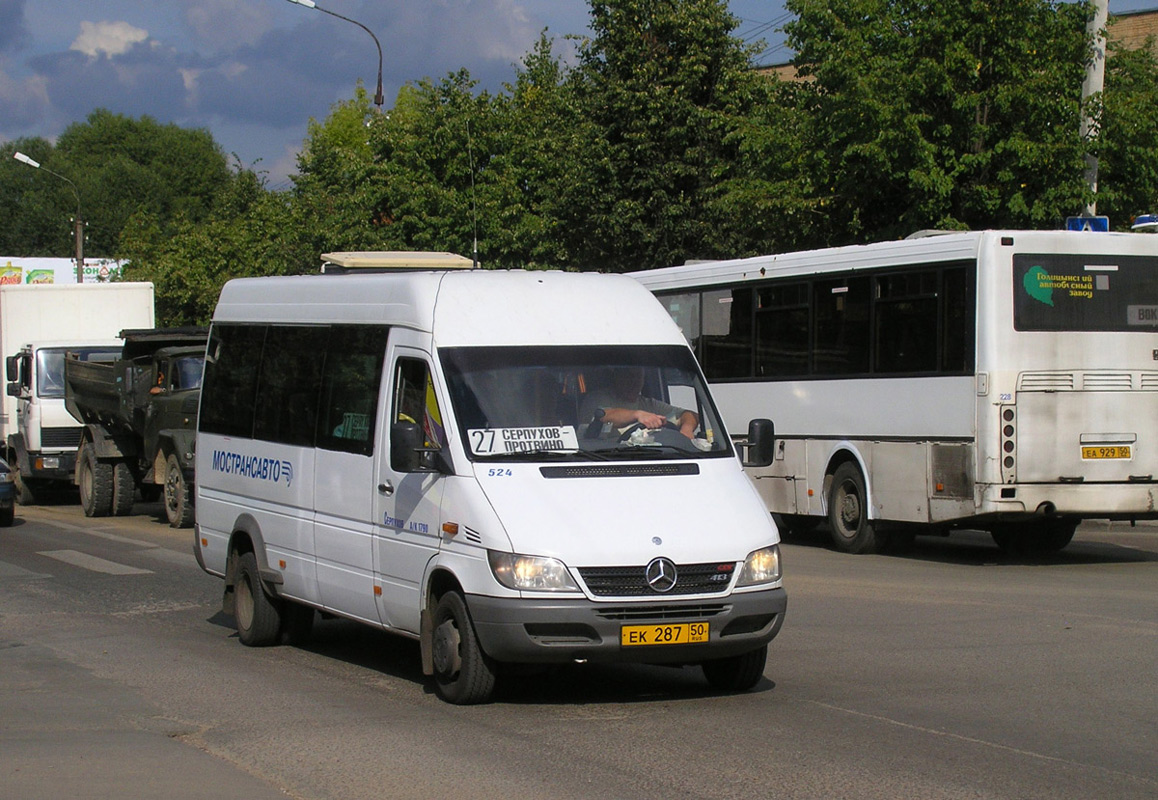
78	224
311	4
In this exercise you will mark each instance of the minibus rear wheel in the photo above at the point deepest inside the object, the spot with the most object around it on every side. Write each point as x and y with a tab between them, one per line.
463	673
736	673
258	616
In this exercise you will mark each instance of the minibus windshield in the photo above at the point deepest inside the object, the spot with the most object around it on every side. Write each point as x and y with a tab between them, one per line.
582	403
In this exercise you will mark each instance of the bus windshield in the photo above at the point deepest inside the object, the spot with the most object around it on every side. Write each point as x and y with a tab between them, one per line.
1066	292
581	403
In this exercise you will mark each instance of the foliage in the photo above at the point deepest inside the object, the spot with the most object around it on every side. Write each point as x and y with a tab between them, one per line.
947	114
249	232
1127	145
659	145
668	92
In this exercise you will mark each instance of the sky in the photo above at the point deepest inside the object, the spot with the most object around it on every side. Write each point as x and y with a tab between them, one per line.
254	72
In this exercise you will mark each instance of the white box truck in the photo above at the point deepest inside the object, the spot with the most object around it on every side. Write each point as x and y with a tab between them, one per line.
509	467
38	325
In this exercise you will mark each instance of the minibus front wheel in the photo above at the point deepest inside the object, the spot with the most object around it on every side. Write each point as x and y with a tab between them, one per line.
463	673
736	673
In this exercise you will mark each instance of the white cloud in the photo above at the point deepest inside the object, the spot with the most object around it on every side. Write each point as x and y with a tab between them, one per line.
110	38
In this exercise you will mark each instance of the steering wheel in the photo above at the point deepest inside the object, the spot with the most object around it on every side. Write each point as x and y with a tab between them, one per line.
633	427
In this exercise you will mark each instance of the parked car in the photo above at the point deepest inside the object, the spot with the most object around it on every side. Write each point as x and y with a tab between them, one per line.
7	495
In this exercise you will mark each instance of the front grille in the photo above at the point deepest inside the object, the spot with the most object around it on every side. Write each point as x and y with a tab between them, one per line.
620	470
60	437
712	578
651	613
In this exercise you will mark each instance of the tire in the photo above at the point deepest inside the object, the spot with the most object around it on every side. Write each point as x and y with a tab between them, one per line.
258	616
852	531
736	673
124	489
95	481
7	516
463	673
25	494
178	501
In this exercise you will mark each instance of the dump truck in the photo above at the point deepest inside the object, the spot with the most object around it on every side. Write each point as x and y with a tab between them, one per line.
139	413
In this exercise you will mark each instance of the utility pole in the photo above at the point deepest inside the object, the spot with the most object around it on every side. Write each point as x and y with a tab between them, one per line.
1095	80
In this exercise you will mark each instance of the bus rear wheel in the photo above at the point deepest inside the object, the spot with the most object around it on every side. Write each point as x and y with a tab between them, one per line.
258	616
852	530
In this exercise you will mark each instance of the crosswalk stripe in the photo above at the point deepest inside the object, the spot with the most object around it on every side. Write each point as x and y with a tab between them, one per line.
85	561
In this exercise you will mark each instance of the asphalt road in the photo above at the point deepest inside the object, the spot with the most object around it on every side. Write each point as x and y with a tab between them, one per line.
950	672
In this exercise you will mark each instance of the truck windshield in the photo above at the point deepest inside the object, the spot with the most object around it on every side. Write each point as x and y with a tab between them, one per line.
50	366
582	403
187	372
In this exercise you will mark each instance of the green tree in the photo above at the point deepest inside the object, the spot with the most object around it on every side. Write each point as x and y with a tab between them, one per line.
671	98
35	217
248	232
1127	144
124	165
947	114
338	192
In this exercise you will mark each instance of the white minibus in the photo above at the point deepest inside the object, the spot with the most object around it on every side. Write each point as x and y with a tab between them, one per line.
998	380
512	467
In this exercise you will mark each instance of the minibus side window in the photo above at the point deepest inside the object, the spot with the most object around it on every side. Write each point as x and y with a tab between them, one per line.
230	384
350	383
415	401
290	385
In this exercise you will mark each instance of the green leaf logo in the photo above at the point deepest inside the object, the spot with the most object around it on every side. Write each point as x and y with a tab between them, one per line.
1037	285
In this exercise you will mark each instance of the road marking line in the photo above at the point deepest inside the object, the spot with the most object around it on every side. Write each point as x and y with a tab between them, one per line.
85	561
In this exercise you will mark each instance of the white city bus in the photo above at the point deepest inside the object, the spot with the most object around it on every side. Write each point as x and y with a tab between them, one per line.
998	380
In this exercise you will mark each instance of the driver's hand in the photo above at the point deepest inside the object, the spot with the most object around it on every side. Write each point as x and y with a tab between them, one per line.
650	420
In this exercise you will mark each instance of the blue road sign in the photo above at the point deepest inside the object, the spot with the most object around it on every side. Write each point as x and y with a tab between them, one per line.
1098	224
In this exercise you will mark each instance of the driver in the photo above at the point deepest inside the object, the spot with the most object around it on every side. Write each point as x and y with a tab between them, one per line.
621	404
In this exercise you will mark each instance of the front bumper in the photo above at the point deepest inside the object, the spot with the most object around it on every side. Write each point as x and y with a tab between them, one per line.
552	631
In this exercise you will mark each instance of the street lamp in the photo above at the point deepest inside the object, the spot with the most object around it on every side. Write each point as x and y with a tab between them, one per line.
78	225
311	4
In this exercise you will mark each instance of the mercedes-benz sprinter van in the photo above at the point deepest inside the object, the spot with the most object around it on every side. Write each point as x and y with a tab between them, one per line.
512	467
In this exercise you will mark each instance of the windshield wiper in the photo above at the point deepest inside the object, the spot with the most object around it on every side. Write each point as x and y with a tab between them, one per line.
545	455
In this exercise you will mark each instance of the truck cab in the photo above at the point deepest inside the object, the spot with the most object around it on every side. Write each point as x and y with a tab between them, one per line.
42	448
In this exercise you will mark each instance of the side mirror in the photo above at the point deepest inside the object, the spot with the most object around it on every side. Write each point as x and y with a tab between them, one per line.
408	450
12	367
14	389
760	448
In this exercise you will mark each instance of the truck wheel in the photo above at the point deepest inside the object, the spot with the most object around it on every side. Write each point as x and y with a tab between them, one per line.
7	516
25	494
124	488
258	616
463	673
95	481
178	503
852	530
736	673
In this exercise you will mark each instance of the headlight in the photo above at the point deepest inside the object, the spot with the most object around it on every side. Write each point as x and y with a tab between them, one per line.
6	477
762	566
531	573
